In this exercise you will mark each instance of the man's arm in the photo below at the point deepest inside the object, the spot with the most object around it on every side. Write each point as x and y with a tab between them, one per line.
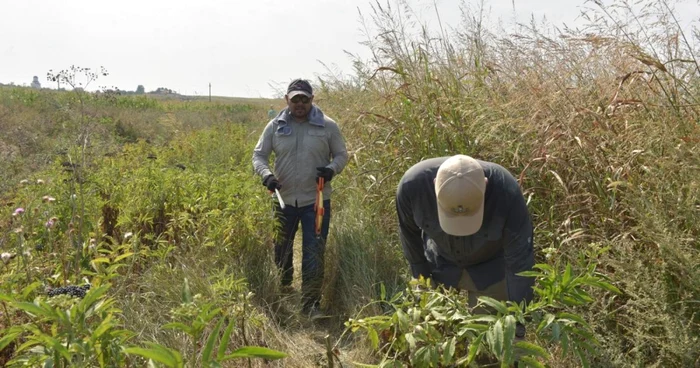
262	151
518	249
338	151
410	235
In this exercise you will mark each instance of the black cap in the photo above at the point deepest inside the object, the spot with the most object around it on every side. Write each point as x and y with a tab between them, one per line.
300	87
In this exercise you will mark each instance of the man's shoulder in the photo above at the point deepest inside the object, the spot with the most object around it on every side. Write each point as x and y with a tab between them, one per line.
502	179
329	121
421	173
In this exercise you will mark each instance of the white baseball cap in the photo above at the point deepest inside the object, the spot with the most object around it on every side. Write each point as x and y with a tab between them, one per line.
460	187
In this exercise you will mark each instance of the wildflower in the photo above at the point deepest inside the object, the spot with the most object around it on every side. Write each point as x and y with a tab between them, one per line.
39	181
24	182
48	199
18	211
49	224
6	257
128	235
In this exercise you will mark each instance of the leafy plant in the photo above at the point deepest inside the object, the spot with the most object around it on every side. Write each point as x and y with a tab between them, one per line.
66	332
435	328
198	317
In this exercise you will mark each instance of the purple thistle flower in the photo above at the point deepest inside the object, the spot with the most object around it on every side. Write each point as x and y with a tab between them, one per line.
18	211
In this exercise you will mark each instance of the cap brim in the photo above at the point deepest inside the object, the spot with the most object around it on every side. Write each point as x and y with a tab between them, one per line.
461	225
297	93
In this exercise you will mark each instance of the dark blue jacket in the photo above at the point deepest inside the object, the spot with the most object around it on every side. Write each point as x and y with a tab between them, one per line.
500	249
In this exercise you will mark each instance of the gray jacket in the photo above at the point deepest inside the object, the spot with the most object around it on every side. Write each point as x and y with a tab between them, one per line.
299	148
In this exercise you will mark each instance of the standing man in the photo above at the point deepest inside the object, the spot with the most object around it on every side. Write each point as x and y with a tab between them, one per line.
271	113
308	145
464	224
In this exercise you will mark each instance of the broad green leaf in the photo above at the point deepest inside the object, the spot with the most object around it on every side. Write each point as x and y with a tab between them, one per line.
508	336
104	326
586	334
556	331
544	267
125	255
159	353
564	344
438	316
256	352
100	260
9	337
448	351
483	318
34	309
373	337
495	338
479	327
207	316
573	317
411	340
566	278
473	350
421	358
209	346
93	295
434	356
546	321
529	273
532	349
581	356
179	326
6	298
403	320
54	344
495	304
605	286
382	291
531	362
223	345
29	288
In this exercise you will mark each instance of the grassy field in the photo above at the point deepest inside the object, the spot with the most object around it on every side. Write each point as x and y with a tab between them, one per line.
154	204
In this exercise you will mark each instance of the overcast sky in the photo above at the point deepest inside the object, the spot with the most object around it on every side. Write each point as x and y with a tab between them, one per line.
241	47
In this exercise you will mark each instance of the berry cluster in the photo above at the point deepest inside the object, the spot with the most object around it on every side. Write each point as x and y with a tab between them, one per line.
72	290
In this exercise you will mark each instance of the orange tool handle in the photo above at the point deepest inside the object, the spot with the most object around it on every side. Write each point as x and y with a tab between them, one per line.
318	206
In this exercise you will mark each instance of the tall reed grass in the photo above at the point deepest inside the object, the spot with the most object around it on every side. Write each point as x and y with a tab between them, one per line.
600	124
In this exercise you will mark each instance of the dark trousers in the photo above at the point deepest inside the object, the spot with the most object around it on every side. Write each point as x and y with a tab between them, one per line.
312	248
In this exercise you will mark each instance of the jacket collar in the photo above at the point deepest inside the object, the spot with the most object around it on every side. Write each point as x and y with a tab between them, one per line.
316	117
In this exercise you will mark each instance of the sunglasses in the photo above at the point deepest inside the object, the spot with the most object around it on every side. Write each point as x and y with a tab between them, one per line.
302	99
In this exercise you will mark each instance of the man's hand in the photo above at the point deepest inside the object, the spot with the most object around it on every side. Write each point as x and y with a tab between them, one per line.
324	172
271	183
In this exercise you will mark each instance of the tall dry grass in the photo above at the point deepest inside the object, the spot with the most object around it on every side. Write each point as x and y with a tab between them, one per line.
599	124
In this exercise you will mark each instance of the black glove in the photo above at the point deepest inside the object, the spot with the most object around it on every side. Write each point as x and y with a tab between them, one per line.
325	173
271	183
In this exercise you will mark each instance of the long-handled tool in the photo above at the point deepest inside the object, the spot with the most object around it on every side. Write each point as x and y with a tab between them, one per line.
279	198
318	207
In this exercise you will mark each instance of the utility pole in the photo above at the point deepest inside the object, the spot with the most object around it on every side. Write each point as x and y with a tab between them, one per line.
209	91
